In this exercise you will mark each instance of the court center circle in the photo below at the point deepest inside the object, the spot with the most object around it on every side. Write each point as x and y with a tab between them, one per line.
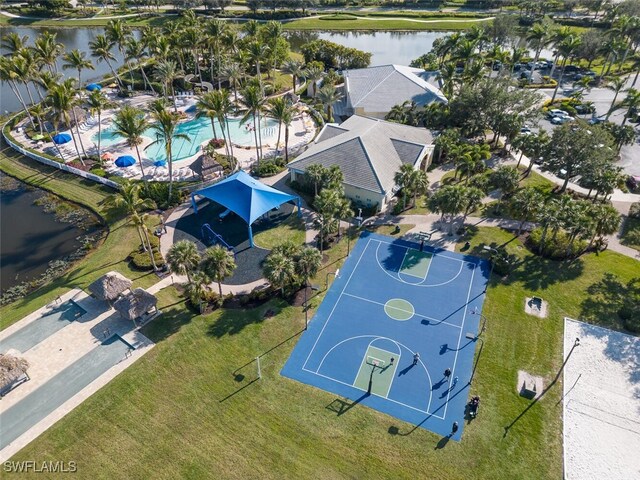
399	309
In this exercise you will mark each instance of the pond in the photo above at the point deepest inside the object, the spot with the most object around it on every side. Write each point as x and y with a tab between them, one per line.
30	237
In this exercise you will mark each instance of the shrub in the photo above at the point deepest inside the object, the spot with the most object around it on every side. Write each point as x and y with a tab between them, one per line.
634	211
555	249
217	143
141	260
267	168
159	193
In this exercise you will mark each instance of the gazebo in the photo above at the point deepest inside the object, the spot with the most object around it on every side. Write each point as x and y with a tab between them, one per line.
110	286
246	197
135	304
13	371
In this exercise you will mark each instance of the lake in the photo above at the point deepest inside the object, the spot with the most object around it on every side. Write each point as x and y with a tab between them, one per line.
29	237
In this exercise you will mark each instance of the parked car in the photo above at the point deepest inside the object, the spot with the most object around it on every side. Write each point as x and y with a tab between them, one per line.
560	120
525	131
596	120
555	112
497	66
583	109
517	67
571	69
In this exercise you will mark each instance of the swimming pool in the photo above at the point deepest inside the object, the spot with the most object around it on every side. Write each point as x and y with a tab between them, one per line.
199	130
51	320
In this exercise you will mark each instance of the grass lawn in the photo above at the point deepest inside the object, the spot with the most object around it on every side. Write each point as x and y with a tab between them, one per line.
631	233
193	406
111	255
348	22
420	207
291	229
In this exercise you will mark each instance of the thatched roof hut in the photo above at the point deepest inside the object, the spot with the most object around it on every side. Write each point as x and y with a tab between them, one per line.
135	304
13	370
207	167
109	286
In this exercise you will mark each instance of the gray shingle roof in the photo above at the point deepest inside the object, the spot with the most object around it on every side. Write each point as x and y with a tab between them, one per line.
368	151
378	89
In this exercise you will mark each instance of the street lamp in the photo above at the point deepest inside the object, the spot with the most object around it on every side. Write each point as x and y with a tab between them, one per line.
326	279
492	250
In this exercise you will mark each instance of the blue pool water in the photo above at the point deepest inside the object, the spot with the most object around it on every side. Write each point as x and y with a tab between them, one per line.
51	320
199	130
20	417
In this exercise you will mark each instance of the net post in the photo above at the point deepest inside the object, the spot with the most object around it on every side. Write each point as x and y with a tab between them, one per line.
259	369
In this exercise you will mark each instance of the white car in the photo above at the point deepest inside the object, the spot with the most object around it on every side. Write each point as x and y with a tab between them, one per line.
559	120
557	113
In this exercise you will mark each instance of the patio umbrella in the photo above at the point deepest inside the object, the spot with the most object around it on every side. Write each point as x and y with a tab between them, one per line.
125	161
159	163
61	138
93	86
38	136
107	156
191	109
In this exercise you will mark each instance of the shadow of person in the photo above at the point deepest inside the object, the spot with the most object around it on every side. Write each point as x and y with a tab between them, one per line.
442	442
405	370
438	385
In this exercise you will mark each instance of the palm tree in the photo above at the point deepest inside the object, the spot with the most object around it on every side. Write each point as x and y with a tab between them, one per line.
78	60
472	200
12	42
215	29
253	100
557	37
538	38
616	84
101	49
327	96
39	110
234	76
118	33
566	48
47	50
257	52
183	258
307	265
8	75
631	102
166	71
62	102
419	184
128	199
136	51
165	130
313	73
218	264
287	120
130	123
98	103
403	179
273	32
295	69
327	204
197	288
525	205
448	201
315	172
206	108
277	108
606	221
279	270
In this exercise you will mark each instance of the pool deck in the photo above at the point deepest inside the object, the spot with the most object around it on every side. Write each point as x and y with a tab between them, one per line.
60	350
301	132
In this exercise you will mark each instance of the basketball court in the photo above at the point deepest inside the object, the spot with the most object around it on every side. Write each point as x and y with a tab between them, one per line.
390	301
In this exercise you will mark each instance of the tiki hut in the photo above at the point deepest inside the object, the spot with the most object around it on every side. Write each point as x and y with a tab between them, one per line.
110	286
13	372
207	167
136	304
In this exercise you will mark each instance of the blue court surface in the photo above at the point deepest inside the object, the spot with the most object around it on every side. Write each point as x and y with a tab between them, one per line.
390	301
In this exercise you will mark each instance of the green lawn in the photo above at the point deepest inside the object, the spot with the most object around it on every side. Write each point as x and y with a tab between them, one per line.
111	255
291	229
347	22
192	405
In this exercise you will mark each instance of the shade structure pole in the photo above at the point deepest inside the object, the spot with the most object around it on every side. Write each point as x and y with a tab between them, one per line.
193	203
251	237
298	205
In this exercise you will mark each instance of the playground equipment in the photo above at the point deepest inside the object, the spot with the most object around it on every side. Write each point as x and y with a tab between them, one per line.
209	237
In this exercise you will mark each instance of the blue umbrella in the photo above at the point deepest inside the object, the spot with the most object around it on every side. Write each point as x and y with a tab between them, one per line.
93	86
159	163
191	109
61	138
125	161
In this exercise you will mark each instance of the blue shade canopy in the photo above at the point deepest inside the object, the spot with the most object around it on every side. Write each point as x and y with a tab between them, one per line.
245	196
125	161
191	109
61	138
93	86
159	163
